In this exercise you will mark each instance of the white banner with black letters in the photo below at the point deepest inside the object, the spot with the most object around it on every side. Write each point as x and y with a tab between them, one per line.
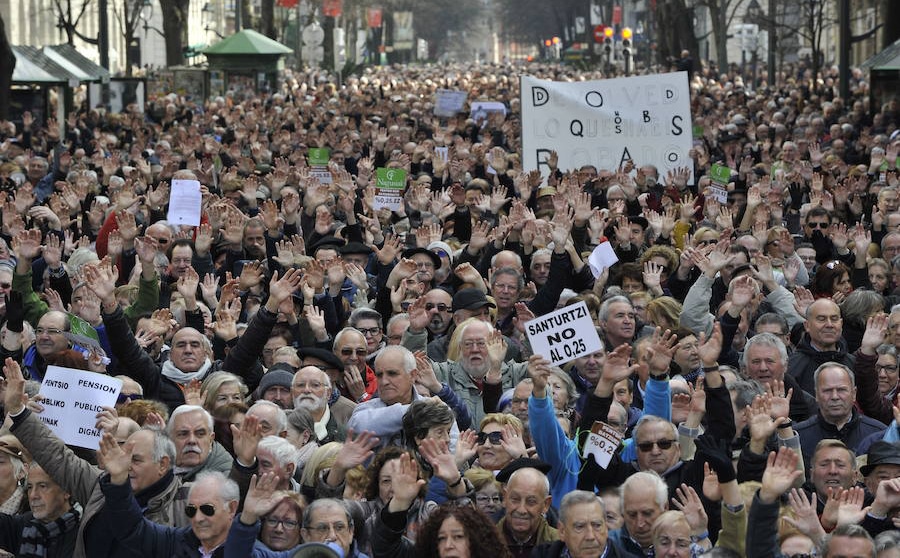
564	335
606	122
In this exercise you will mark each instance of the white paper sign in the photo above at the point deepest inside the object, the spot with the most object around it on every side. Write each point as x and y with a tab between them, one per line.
481	109
606	122
602	443
601	258
564	335
184	203
448	102
322	174
442	152
72	399
718	193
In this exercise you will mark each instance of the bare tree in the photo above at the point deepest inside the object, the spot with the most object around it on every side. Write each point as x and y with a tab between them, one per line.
128	15
806	20
721	14
7	65
69	16
675	29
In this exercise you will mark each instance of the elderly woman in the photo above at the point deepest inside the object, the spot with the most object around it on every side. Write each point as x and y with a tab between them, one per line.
488	490
301	433
498	442
832	280
880	276
13	461
856	309
222	388
673	537
280	528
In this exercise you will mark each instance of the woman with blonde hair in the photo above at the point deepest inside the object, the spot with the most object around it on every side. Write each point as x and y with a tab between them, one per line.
664	312
222	388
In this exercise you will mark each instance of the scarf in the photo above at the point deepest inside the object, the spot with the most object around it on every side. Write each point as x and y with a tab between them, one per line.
13	504
171	372
38	536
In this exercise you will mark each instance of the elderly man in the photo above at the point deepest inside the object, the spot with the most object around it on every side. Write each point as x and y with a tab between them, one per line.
151	473
50	528
278	456
582	529
275	386
396	373
272	418
191	355
644	498
882	463
311	390
212	503
876	371
821	343
480	361
358	380
526	499
765	360
837	417
191	428
617	321
326	520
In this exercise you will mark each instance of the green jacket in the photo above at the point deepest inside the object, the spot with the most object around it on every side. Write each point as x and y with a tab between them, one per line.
452	374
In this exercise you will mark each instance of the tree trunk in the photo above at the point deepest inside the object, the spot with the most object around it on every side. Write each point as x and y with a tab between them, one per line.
267	19
246	15
676	30
7	65
720	33
175	14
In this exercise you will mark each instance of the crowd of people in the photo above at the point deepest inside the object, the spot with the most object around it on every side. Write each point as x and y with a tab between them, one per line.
306	366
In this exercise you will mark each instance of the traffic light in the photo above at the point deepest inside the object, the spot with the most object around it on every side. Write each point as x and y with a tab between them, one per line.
626	48
607	41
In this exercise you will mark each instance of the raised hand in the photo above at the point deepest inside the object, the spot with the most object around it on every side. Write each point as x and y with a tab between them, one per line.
261	497
806	517
687	500
780	474
116	459
405	484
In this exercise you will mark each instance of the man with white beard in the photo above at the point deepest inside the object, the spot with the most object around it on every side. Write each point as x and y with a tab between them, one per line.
480	360
311	390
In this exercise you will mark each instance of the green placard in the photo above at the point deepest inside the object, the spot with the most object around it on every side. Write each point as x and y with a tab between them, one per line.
390	179
698	131
720	174
318	155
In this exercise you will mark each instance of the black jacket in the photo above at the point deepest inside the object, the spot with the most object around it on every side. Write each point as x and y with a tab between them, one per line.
815	429
805	359
557	548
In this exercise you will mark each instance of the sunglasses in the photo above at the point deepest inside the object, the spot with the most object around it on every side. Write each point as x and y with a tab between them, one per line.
818	225
648	446
208	510
359	352
494	437
440	306
124	398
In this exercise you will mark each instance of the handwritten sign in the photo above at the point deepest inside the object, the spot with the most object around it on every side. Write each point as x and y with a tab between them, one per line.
607	122
389	185
564	335
449	102
72	399
602	443
184	203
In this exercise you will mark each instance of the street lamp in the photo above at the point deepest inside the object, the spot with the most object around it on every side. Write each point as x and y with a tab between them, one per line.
146	15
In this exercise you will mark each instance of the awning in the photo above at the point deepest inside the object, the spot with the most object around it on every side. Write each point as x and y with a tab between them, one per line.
887	59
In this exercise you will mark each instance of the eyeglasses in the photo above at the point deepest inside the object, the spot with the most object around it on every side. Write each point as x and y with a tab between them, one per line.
818	225
441	307
289	525
208	510
485	499
48	330
473	344
494	437
681	544
885	368
359	352
324	528
425	265
662	444
126	397
370	331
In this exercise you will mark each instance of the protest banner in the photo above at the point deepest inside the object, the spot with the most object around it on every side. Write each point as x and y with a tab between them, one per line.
720	175
318	156
72	399
602	442
564	335
389	185
448	102
607	122
185	201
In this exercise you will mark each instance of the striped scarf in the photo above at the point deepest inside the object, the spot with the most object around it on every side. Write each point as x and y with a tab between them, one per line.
37	536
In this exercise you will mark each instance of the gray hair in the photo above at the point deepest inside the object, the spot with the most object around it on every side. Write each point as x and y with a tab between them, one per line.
577	498
569	384
648	478
280	415
852	531
325	503
228	489
745	391
765	340
283	451
184	409
603	313
300	420
365	314
396	318
163	446
531	470
833	364
859	305
340	335
887	540
887	349
652	419
409	359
